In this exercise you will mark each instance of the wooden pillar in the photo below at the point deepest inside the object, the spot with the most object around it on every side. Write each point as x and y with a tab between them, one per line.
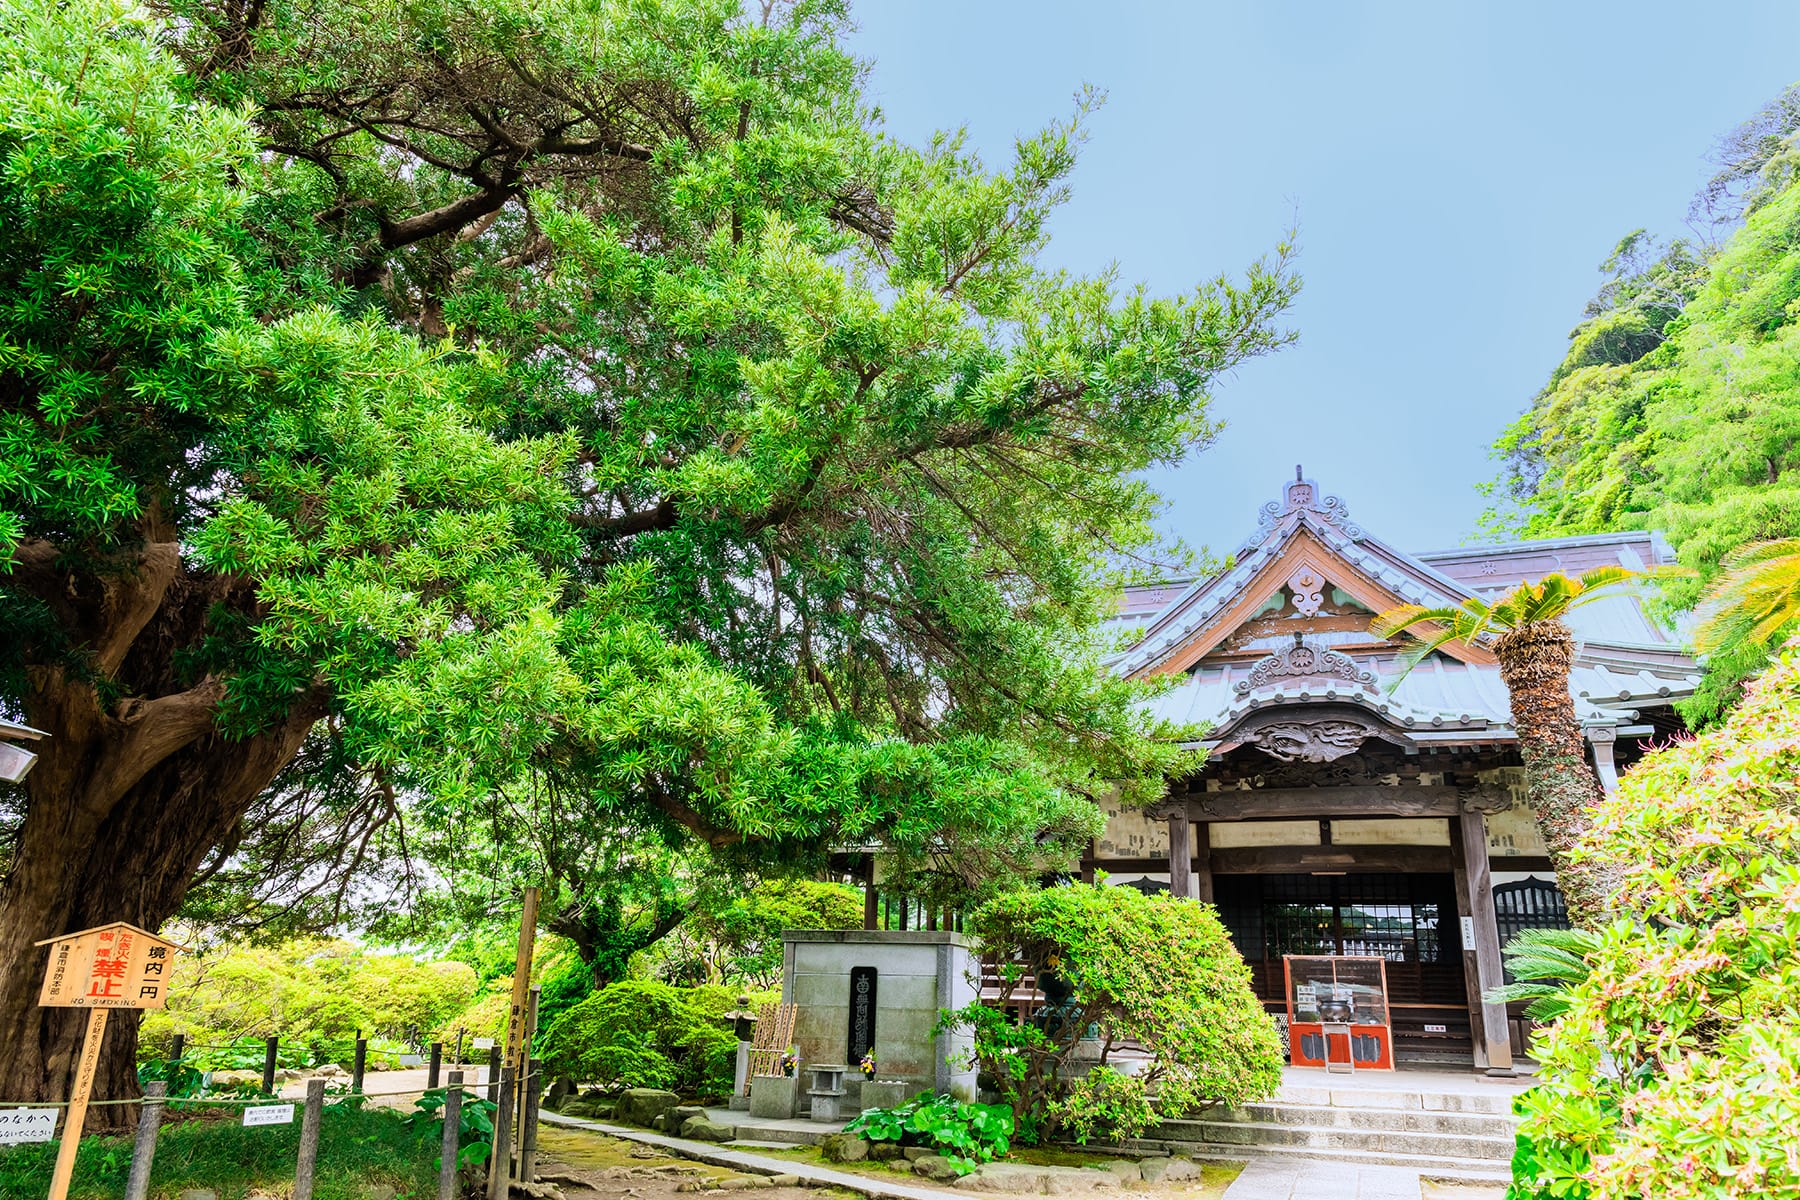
1181	852
1203	879
871	896
1481	941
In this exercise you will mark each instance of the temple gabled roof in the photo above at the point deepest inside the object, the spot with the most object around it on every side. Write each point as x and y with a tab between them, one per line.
1286	624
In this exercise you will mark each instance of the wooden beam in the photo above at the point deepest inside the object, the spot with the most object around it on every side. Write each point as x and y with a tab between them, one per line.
1278	804
1181	854
1203	872
1475	902
1301	860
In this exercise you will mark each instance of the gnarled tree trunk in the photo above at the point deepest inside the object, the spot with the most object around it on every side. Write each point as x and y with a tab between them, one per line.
1535	661
128	796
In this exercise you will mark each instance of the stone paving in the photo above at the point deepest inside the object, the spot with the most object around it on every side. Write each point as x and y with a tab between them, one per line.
1264	1180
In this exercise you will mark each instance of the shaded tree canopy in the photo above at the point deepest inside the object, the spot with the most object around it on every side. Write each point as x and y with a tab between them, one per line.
452	398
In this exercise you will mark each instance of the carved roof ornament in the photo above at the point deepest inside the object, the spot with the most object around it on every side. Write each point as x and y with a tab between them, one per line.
1302	496
1484	798
1317	741
1308	588
1305	660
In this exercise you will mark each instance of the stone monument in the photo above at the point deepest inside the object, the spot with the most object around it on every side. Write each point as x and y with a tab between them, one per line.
881	990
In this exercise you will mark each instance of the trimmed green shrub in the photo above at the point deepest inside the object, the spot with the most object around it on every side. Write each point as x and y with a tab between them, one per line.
1119	967
1674	1070
640	1033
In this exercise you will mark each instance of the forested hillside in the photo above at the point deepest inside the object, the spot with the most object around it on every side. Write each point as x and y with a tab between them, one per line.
1678	404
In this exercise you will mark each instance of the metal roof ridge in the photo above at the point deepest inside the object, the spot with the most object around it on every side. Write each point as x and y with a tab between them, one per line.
1578	539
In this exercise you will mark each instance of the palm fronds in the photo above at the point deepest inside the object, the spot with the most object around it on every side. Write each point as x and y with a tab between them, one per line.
1545	963
1756	598
1549	599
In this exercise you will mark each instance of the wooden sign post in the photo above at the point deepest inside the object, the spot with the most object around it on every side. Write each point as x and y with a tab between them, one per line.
99	969
500	1161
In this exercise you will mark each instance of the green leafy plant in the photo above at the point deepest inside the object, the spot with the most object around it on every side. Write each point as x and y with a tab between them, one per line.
1154	971
183	1078
475	1124
965	1134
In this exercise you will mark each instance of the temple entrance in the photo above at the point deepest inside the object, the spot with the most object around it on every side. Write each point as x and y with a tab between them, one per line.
1407	919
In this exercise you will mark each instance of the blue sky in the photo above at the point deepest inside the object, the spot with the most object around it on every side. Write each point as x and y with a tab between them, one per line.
1458	170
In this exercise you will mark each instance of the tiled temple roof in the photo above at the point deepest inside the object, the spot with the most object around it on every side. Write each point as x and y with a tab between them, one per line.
1625	660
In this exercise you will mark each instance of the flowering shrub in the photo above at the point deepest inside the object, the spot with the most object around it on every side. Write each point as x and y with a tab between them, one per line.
1118	967
1675	1070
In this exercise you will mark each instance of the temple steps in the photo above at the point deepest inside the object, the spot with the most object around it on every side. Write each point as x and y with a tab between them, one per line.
1450	1135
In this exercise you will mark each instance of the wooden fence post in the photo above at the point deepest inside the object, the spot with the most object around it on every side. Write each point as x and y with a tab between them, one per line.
527	1033
307	1165
528	1133
493	1079
500	1160
143	1147
362	1060
270	1048
437	1064
452	1138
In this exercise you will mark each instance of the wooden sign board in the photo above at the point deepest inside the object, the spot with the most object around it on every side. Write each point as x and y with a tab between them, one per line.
110	966
99	969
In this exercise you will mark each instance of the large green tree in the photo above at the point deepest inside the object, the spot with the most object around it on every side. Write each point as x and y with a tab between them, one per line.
1678	404
587	387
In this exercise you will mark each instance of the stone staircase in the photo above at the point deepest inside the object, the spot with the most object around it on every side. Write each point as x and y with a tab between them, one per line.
1462	1135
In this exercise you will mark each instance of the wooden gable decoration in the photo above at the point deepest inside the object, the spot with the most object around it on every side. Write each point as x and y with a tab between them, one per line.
1306	566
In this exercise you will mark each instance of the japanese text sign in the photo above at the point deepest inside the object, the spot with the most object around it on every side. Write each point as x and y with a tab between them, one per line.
112	966
26	1125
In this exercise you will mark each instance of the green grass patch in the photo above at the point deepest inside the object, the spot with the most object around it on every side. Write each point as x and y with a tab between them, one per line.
357	1148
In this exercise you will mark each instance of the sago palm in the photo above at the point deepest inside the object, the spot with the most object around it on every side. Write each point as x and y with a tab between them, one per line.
1756	598
1545	964
1536	652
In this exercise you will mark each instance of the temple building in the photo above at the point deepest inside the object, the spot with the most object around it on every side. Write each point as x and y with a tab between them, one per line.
1346	808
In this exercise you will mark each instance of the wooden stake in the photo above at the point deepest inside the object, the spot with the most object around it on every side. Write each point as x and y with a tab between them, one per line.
143	1147
499	1181
306	1163
452	1137
511	1094
78	1104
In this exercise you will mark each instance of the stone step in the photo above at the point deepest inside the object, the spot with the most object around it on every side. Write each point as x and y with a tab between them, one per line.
1445	1147
1398	1120
1498	1102
1428	1166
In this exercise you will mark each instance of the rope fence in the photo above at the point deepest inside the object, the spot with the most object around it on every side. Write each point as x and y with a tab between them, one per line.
515	1162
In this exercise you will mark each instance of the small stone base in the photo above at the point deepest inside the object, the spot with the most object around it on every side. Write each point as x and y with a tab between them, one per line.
877	1093
774	1097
